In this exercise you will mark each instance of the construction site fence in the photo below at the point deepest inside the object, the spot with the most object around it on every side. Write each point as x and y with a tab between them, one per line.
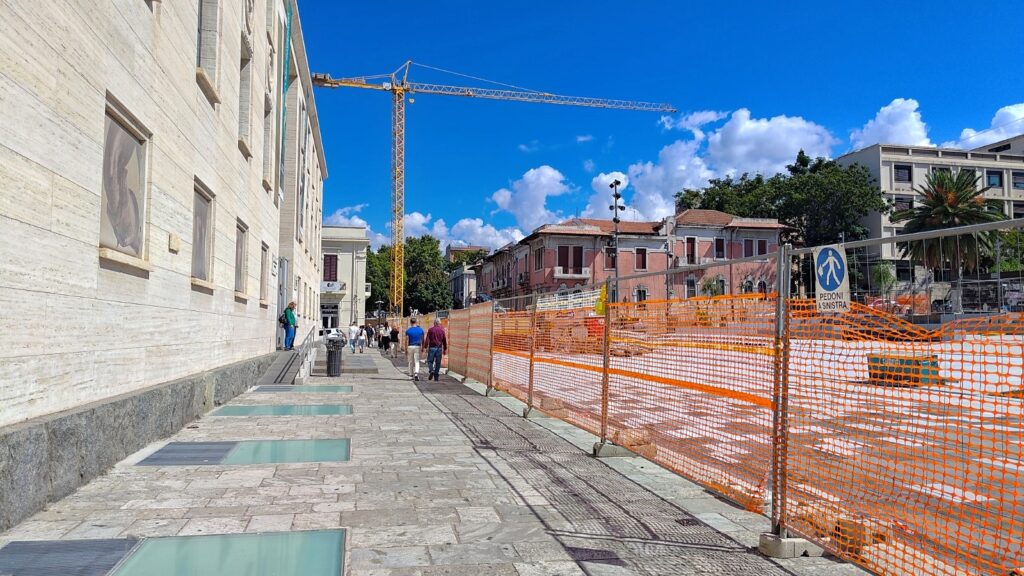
891	434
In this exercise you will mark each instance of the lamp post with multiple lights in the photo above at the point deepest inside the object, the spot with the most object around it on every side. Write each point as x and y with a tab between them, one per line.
616	208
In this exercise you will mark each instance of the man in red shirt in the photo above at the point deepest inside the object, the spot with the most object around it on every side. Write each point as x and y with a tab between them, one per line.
437	346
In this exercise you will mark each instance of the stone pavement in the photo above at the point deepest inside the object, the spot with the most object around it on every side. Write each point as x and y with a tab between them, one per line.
442	480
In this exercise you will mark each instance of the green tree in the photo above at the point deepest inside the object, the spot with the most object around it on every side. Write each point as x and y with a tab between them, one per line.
378	274
426	279
1008	252
883	277
949	201
463	258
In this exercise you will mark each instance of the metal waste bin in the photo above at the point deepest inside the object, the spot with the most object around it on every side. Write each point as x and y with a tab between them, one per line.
334	347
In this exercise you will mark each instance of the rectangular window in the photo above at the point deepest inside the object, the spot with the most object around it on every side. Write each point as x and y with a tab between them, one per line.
1018	210
721	286
762	247
123	186
719	248
563	258
903	203
300	192
241	256
202	234
691	250
538	259
641	293
330	267
264	270
206	48
1017	178
748	247
609	258
577	259
641	259
937	169
691	287
903	173
994	178
245	99
268	150
971	171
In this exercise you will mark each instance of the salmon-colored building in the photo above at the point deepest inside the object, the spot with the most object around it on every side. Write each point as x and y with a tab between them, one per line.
577	253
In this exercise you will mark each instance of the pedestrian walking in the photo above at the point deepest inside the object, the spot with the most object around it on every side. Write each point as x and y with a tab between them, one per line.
370	333
413	342
361	339
289	324
437	346
393	338
353	335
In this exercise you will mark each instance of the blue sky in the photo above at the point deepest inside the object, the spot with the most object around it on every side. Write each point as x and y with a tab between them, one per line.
753	82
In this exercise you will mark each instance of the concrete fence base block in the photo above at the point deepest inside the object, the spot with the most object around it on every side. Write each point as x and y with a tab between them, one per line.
533	414
775	546
609	450
495	393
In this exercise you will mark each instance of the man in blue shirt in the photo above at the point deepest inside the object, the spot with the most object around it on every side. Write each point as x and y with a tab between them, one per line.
413	341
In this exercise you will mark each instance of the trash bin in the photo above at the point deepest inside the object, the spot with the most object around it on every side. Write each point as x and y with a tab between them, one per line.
334	347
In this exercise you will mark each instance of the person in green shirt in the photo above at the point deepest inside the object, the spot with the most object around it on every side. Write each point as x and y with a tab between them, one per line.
290	326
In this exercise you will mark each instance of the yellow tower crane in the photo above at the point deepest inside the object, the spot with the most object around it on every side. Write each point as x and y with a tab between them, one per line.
398	84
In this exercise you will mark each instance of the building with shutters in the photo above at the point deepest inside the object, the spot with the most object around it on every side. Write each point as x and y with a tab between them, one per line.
343	290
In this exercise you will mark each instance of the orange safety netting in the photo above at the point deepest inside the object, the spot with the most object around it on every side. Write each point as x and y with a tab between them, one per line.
568	366
690	387
458	341
478	363
904	447
511	362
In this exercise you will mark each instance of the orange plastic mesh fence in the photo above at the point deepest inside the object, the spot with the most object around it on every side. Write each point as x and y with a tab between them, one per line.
905	448
568	366
511	362
690	387
478	365
458	341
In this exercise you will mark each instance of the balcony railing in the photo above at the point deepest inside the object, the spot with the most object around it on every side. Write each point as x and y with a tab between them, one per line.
574	273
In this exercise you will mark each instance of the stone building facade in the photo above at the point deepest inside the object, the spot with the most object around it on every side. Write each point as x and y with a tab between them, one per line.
343	291
147	207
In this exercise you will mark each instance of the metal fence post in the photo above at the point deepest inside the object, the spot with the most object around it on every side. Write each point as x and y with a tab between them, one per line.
490	360
607	356
533	349
780	394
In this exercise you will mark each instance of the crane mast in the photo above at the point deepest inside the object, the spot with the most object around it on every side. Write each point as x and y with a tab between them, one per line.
398	84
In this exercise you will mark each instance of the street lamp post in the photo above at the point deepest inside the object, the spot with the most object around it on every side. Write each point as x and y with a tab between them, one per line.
380	311
615	208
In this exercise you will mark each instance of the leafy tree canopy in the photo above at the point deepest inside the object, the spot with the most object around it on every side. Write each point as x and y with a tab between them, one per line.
818	200
426	279
463	258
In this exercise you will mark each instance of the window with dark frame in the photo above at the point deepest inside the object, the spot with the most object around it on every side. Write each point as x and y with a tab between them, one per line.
691	250
264	270
1017	179
538	259
563	258
241	256
330	267
202	235
641	259
719	248
994	178
903	203
748	247
762	247
903	173
577	259
609	258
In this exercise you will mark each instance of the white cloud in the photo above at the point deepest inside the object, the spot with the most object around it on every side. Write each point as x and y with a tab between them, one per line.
898	122
1007	123
589	166
347	217
533	146
601	197
527	199
419	224
764	145
655	183
473	232
584	138
693	121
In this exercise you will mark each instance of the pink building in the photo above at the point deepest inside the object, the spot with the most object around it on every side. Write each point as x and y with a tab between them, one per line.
575	254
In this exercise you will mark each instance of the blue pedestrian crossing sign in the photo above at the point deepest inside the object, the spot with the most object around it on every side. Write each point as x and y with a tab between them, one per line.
832	281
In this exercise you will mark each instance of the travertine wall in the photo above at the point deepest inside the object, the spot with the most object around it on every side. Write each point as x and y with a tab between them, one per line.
77	328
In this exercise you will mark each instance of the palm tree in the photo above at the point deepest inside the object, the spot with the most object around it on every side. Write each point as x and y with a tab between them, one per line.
949	201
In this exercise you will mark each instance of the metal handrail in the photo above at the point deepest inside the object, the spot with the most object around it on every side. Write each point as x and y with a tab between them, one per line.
930	234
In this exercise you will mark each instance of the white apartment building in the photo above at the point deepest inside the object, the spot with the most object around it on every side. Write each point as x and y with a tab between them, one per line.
343	291
462	283
153	221
900	169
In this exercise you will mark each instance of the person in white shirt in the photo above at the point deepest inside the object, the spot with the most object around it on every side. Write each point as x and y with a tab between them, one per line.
353	334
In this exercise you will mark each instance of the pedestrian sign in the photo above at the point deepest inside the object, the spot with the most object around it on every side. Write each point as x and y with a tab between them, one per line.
833	282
